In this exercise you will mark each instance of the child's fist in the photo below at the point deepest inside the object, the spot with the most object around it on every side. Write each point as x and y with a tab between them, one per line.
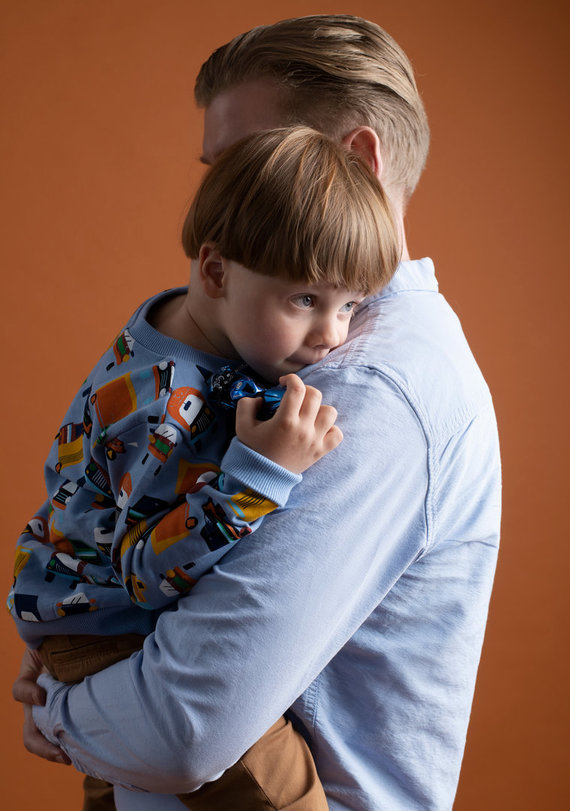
298	435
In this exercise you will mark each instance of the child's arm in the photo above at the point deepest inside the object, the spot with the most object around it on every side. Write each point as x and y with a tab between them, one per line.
160	560
163	525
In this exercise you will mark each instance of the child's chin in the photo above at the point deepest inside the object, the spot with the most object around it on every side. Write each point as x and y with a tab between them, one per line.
271	374
292	368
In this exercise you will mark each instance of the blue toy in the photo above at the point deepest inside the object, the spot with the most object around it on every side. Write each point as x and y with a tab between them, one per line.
228	385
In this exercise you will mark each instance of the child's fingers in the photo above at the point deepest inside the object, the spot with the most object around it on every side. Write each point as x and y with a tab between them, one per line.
332	438
325	419
294	395
299	398
311	404
246	412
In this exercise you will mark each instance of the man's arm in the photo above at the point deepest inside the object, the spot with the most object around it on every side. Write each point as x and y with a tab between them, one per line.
258	628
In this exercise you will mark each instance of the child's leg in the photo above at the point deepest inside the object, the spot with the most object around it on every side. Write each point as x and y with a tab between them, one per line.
70	659
278	772
98	795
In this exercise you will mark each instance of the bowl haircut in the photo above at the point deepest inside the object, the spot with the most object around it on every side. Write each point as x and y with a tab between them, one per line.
291	202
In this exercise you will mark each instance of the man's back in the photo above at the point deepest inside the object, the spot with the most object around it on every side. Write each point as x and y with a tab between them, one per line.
388	715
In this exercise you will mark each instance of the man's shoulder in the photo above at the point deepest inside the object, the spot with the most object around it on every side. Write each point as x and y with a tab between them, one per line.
409	340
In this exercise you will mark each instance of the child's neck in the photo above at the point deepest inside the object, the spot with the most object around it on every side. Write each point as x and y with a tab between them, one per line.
173	317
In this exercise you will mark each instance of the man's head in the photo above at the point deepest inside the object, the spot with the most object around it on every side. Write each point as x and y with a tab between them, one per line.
335	73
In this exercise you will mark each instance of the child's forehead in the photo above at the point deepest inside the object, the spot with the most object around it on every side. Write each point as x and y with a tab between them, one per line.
308	278
323	285
289	284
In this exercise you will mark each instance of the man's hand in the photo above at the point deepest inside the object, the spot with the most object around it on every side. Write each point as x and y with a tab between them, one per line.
27	691
298	435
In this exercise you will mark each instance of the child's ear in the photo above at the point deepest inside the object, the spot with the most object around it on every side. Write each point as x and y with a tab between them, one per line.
211	270
365	142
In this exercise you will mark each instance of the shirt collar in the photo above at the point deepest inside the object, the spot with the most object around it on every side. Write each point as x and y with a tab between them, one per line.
414	274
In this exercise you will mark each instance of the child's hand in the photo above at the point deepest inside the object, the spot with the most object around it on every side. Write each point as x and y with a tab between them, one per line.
299	434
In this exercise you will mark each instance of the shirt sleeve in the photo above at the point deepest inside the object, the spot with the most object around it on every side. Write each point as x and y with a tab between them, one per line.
160	557
258	628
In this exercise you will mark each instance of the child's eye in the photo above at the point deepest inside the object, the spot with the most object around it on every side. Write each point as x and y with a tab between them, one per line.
305	301
349	307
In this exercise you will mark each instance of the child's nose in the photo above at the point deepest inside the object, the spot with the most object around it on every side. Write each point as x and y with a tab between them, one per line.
326	334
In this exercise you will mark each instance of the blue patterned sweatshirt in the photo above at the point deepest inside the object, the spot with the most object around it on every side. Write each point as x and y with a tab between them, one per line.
146	491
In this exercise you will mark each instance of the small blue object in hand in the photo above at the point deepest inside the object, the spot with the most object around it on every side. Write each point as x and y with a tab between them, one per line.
228	385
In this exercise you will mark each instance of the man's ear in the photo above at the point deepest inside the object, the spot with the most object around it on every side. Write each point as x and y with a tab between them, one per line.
365	142
211	270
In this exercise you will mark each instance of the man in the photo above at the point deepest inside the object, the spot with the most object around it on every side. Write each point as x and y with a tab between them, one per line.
368	625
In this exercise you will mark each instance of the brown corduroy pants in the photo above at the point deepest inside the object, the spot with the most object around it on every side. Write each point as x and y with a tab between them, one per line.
278	772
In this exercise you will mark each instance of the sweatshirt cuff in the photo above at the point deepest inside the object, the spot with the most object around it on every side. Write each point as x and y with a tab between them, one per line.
257	472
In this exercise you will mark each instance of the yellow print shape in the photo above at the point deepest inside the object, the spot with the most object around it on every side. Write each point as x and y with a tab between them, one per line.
250	505
69	445
133	536
22	557
135	588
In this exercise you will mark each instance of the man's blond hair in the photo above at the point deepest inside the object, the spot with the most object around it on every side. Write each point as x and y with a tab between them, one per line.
291	202
338	72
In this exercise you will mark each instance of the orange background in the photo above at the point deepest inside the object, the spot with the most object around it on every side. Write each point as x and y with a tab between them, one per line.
99	141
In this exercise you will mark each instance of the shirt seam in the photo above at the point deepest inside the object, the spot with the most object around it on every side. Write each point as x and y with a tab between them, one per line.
406	395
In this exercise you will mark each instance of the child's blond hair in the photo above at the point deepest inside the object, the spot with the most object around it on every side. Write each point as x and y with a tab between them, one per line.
291	202
337	72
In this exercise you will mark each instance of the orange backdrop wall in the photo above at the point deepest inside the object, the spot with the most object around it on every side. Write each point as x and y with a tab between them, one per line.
98	147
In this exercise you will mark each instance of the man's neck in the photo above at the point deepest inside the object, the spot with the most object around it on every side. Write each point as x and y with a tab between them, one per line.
399	218
405	253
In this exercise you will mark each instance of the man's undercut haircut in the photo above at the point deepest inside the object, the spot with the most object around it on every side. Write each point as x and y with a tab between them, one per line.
291	202
337	72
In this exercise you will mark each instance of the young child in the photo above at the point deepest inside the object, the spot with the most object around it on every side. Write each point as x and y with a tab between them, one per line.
147	489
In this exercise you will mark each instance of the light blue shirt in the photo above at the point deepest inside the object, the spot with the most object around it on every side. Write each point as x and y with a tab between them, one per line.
361	605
